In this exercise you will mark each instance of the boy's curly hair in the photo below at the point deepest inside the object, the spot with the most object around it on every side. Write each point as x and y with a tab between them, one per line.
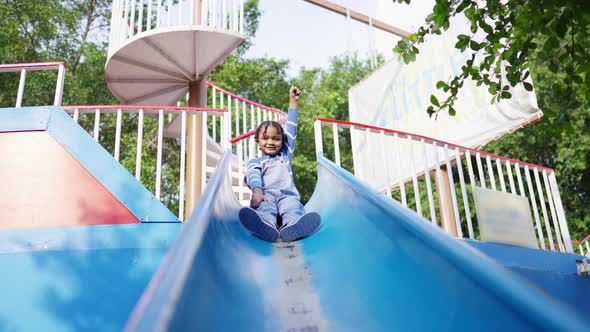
264	126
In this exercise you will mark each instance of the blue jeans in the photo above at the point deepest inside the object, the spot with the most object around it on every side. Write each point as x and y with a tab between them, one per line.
282	198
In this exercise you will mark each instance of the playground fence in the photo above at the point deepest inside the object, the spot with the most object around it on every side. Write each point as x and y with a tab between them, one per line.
230	122
23	68
449	201
583	245
106	124
228	116
162	131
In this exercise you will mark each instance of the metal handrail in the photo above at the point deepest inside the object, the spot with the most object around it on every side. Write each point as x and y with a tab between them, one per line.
248	102
24	67
445	160
417	137
159	112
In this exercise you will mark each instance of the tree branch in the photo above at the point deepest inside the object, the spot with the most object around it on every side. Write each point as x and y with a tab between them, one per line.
89	19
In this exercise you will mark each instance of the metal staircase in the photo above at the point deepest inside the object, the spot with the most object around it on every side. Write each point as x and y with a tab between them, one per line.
159	50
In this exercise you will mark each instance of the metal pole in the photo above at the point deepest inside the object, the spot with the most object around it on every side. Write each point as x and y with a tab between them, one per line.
195	161
21	87
360	17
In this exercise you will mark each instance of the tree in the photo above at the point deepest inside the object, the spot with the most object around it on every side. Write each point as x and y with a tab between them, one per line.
260	80
568	152
325	94
555	32
546	41
38	31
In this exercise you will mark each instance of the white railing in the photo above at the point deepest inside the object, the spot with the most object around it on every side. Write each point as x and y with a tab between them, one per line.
162	130
406	161
228	115
583	245
23	68
130	18
243	115
106	123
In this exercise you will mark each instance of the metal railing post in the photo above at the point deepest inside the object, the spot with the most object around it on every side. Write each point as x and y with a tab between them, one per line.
21	87
317	130
567	241
59	88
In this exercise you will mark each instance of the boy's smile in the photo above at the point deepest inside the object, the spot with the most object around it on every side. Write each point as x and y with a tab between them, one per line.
270	141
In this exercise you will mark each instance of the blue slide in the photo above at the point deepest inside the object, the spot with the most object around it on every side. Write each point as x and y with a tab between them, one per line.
373	266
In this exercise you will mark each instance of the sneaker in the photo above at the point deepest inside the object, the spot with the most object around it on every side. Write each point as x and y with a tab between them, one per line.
252	221
305	226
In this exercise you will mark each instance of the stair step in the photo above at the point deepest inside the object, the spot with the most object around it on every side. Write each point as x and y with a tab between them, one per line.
214	153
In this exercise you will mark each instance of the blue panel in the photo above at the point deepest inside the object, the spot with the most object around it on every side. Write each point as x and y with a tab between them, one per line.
77	278
373	266
91	155
131	236
554	272
24	118
106	169
527	258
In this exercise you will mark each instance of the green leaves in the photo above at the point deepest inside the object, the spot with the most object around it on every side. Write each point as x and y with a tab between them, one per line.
442	86
550	44
434	101
452	111
514	38
409	57
475	45
486	27
325	92
463	42
407	51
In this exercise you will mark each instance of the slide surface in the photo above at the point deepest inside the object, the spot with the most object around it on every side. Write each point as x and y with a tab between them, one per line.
373	266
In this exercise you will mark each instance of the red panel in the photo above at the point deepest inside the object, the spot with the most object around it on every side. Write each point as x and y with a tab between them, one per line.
42	185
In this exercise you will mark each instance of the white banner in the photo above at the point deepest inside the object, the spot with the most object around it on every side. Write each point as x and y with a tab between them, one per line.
397	95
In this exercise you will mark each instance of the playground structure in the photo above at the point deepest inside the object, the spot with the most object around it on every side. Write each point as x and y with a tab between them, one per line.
374	265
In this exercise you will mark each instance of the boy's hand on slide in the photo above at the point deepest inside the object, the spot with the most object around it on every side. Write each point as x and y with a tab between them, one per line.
257	198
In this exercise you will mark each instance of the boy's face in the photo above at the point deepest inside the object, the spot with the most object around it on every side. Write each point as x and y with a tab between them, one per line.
270	141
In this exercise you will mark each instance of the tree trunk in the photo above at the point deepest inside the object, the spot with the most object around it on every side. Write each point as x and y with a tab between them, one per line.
89	19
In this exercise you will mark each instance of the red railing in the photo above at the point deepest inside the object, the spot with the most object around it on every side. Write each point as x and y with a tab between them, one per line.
582	240
254	117
396	165
251	133
242	99
143	107
434	140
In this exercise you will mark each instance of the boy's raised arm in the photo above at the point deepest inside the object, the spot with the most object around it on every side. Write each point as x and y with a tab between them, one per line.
294	94
292	119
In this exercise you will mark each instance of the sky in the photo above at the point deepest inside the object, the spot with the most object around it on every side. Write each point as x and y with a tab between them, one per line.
309	35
